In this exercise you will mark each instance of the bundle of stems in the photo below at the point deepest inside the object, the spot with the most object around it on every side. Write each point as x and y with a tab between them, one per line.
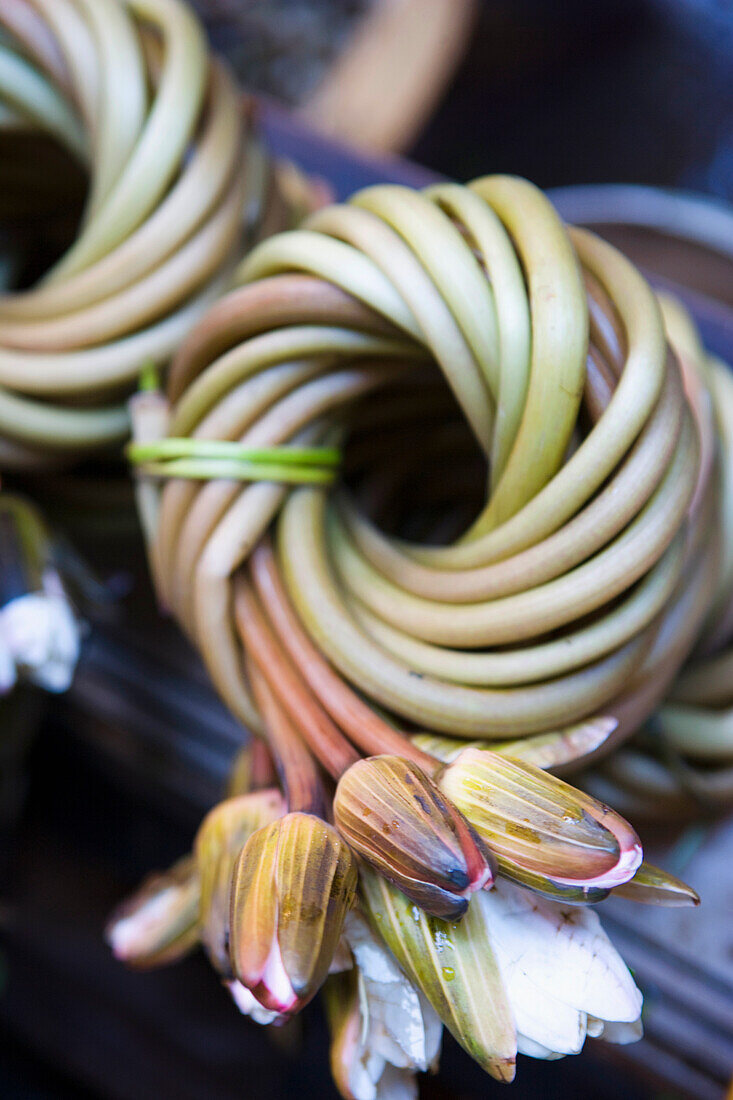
177	188
516	554
489	372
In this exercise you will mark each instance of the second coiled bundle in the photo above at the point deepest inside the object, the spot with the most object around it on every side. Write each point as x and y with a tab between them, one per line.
177	189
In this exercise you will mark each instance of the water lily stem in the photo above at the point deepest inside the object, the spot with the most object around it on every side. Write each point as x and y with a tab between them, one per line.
365	728
297	770
322	736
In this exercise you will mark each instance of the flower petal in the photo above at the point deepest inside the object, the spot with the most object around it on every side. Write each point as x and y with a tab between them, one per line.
535	1050
621	1033
563	950
402	1026
248	1004
538	1015
396	1084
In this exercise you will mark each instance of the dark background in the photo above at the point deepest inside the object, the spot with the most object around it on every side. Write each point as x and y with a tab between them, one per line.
573	92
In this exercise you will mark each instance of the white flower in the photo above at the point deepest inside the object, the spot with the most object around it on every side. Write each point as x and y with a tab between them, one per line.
248	1004
563	976
399	1032
42	635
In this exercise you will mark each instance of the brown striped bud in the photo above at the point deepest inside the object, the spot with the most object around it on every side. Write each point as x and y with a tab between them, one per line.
397	819
292	887
221	836
545	834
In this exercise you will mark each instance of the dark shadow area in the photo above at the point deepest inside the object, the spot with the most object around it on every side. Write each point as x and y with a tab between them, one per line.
623	90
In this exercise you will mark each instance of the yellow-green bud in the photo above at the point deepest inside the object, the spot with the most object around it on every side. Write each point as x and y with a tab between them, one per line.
545	834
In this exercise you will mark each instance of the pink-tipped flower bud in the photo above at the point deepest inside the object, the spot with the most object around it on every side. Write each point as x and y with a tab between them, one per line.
221	836
398	820
292	886
545	834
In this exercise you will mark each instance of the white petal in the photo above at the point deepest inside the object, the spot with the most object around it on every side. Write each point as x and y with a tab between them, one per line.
535	1050
139	930
364	1074
248	1004
43	636
564	951
372	1078
595	1027
398	1023
621	1033
276	979
396	1084
342	959
433	1026
539	1016
8	675
371	955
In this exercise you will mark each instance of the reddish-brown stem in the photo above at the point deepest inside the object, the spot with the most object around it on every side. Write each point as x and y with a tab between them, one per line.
365	728
296	767
325	740
263	767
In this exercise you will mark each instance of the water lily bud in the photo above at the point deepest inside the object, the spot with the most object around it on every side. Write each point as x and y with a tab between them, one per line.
454	966
545	834
292	886
397	820
159	923
653	886
221	836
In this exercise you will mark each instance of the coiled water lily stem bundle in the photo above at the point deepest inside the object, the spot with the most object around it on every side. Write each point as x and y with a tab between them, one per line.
461	345
434	504
177	187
